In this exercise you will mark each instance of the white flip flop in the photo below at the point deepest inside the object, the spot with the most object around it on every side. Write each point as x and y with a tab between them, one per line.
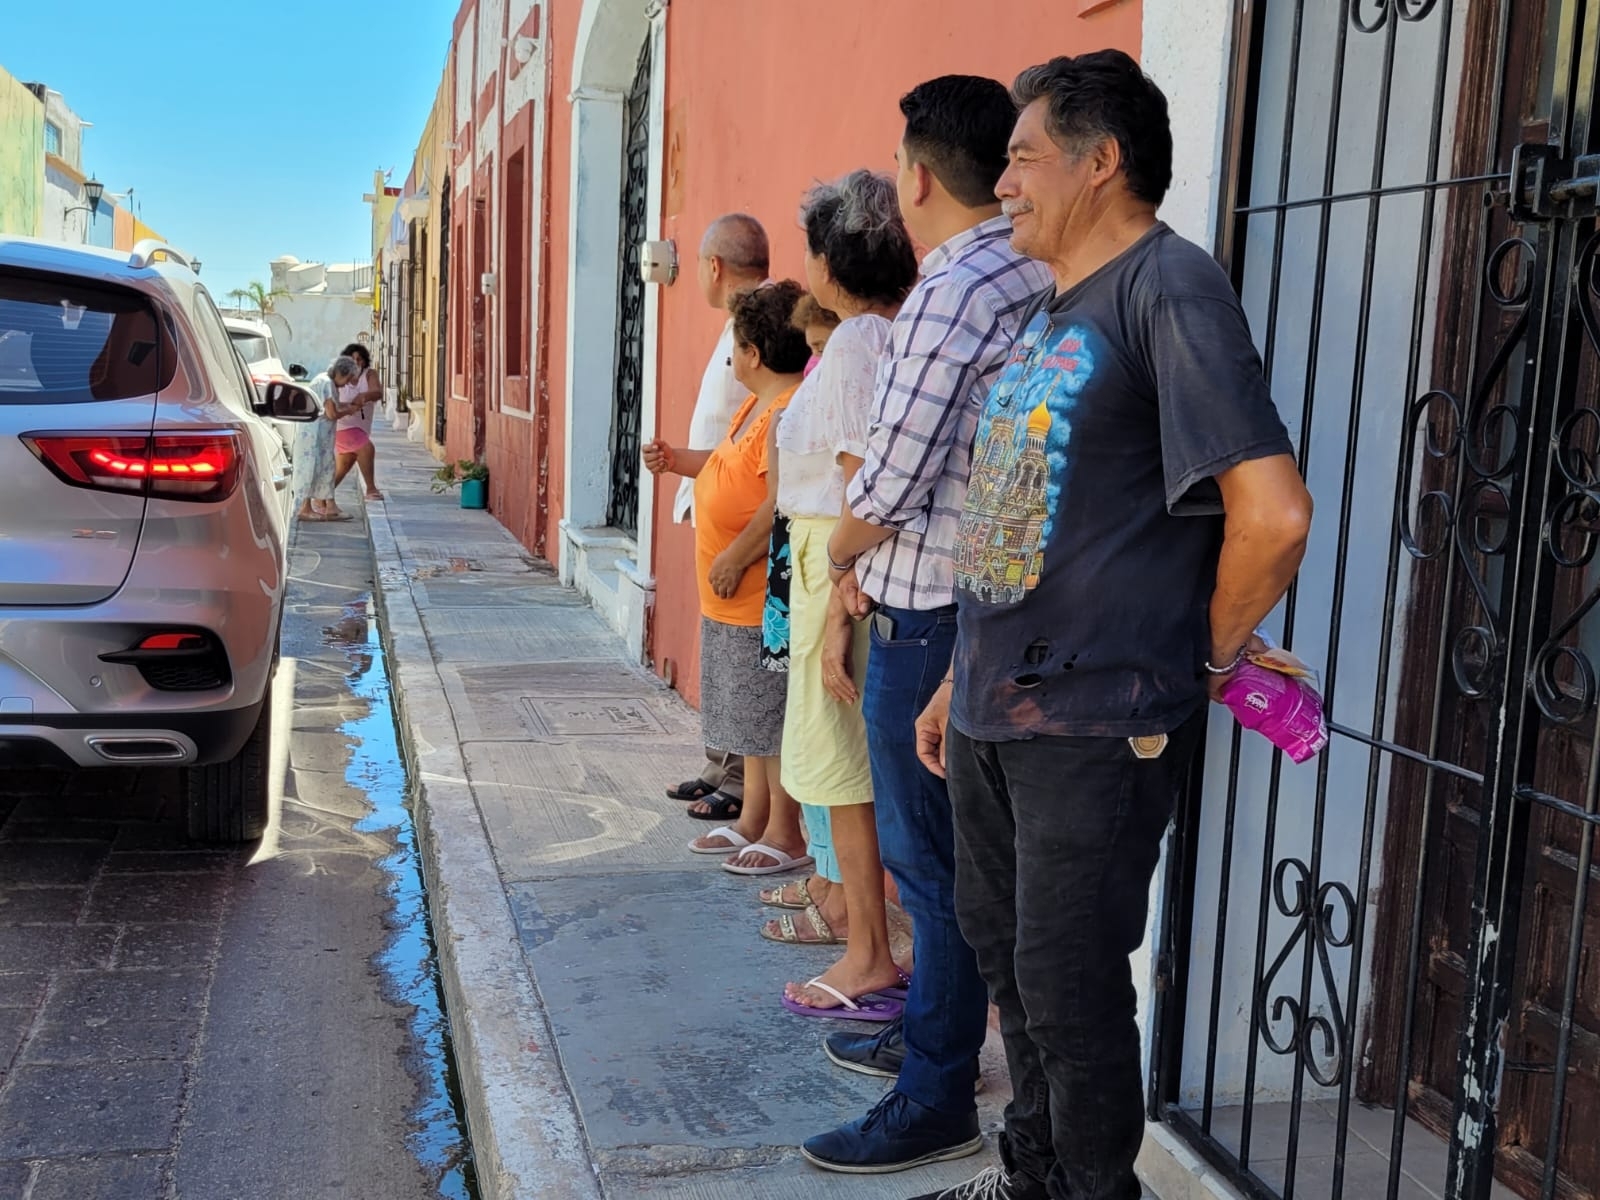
733	835
784	862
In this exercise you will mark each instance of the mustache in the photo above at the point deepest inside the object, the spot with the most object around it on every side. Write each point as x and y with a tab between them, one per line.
1012	208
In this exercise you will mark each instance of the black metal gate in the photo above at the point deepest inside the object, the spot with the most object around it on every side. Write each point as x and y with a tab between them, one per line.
622	507
1379	975
416	317
441	337
403	298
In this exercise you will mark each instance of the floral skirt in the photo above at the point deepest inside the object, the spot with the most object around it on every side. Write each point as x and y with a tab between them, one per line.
775	616
741	705
313	460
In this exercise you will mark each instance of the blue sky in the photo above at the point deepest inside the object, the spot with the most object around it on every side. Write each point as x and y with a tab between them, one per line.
246	130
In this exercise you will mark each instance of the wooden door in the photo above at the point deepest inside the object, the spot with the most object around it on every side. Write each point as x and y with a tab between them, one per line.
480	322
1521	353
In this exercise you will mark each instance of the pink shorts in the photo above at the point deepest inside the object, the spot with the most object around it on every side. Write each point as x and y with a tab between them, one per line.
348	441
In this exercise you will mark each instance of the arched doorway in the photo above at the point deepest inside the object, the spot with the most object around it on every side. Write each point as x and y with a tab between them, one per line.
617	107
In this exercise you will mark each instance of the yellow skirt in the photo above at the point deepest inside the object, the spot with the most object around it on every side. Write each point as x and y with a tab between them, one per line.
824	742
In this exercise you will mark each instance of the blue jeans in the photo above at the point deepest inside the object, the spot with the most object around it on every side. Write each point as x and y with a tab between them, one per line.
947	1011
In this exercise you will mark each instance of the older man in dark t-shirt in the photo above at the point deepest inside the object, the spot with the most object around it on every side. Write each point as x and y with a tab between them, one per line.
1134	511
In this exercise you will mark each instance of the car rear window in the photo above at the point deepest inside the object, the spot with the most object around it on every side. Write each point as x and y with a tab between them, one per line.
67	341
251	347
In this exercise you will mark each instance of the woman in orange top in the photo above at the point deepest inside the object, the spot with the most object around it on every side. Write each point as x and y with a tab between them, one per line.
741	703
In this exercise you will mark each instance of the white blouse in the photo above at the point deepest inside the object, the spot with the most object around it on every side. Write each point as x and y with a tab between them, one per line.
827	417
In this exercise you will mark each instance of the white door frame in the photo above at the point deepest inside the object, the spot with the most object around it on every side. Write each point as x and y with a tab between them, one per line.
613	570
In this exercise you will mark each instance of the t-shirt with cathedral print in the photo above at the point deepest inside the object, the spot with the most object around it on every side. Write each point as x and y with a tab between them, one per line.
1087	550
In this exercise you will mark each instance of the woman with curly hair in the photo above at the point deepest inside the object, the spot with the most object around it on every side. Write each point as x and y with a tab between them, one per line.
741	702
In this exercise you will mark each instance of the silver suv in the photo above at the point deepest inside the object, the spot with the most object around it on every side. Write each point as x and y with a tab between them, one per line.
144	508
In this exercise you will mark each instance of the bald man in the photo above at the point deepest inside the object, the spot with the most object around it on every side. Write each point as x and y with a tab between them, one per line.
733	257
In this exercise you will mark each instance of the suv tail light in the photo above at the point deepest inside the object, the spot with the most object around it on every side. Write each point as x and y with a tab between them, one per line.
203	467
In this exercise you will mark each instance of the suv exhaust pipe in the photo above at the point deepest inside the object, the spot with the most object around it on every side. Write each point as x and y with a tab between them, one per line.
128	750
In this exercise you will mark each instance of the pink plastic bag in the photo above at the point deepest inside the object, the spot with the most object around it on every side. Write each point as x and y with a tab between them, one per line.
1276	695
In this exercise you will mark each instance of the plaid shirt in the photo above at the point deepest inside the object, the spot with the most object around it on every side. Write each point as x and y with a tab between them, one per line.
946	348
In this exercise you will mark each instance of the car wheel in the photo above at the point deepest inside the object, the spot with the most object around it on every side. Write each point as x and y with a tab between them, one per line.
229	801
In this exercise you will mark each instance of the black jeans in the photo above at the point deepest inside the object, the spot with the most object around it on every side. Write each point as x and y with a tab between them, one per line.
1056	843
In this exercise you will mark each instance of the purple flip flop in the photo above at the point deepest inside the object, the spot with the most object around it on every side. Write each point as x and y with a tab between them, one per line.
900	992
872	1007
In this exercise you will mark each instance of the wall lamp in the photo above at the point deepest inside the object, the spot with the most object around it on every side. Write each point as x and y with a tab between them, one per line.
93	190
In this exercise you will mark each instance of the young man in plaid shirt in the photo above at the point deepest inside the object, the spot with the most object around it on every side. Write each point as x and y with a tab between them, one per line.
891	559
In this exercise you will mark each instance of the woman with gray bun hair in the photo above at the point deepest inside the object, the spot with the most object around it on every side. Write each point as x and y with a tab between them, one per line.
314	464
859	264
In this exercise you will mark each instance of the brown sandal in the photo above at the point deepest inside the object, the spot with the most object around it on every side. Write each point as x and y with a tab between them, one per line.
789	932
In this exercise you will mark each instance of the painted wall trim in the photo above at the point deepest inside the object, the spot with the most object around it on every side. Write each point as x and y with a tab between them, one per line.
1185	47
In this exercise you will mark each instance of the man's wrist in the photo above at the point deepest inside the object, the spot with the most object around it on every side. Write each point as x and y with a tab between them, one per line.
841	567
1220	664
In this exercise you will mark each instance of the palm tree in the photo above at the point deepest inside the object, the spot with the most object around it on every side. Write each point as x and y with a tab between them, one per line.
258	294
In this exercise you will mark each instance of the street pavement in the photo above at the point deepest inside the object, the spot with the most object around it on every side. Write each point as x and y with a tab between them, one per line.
615	1013
185	1023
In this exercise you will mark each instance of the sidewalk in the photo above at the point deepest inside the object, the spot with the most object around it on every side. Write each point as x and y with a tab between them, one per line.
615	1012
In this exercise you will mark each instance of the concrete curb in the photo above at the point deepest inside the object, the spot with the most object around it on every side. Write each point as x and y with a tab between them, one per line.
1172	1170
527	1136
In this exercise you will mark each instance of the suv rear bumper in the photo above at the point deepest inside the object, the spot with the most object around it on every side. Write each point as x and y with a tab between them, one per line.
125	739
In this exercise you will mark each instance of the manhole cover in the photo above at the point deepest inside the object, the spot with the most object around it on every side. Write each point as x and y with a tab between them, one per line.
585	717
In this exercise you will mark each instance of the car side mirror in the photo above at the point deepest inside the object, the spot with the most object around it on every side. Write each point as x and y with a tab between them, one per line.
296	371
290	402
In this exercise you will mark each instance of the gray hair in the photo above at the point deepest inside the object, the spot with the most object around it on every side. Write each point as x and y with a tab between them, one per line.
1105	96
863	203
854	223
739	240
344	365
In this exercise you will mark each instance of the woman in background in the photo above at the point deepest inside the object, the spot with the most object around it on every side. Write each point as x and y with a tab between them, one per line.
314	463
742	702
860	264
353	440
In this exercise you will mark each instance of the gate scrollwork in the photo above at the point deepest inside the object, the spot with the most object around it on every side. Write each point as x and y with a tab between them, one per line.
1320	1038
1382	10
1563	680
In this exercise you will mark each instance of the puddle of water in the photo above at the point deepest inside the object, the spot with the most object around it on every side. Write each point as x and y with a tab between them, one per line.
410	962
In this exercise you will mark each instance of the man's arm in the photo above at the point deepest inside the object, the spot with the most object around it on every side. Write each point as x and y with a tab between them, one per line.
922	394
852	537
1223	446
1267	518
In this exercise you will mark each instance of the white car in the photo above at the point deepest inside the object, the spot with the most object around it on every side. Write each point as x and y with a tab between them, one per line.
254	342
256	345
144	510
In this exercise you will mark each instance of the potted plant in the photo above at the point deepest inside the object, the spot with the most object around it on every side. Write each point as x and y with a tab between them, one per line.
473	478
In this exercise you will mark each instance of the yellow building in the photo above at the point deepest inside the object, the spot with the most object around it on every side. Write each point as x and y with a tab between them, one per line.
410	256
435	151
22	150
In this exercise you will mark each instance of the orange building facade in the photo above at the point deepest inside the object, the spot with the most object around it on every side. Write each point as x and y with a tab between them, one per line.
581	127
1402	934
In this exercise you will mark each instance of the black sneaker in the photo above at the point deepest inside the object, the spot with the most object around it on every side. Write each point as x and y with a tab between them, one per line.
881	1054
896	1135
994	1184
